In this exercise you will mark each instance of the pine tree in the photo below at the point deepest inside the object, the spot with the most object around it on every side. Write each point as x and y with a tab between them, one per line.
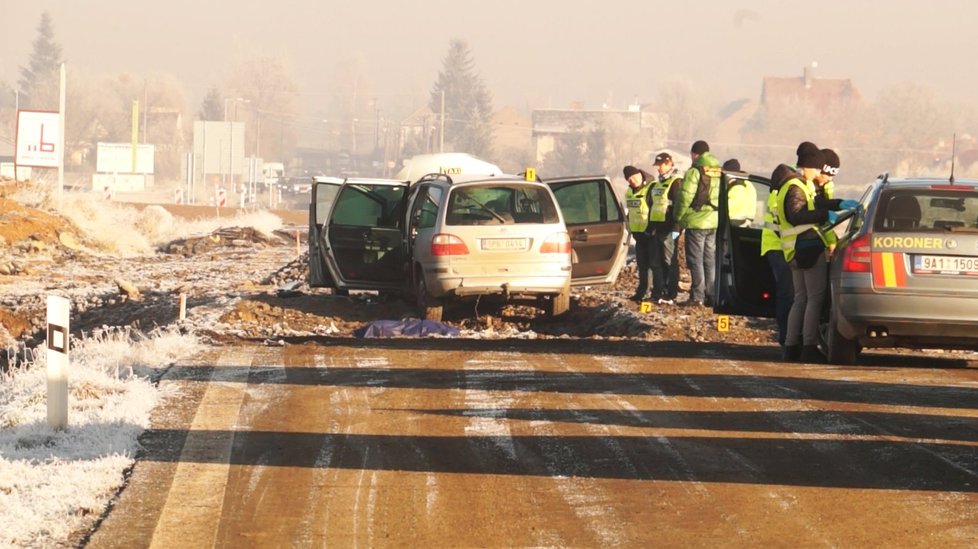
468	103
212	108
39	80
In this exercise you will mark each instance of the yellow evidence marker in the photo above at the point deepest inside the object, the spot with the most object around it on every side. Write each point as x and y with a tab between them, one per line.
645	307
723	323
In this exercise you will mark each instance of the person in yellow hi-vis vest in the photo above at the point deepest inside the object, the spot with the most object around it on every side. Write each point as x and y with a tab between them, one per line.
771	243
665	231
800	212
741	196
638	200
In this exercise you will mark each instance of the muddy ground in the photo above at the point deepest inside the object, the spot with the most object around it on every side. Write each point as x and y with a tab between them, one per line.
232	279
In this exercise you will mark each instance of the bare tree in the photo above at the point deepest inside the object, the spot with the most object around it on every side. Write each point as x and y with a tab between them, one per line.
268	85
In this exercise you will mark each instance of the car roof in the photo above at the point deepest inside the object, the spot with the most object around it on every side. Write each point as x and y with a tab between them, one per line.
472	178
927	182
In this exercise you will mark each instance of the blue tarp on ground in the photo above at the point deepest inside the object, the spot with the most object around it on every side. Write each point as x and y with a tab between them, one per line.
415	327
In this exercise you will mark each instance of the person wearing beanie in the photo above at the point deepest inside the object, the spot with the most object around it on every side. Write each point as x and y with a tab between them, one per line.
696	211
825	181
665	231
800	213
638	200
700	147
741	196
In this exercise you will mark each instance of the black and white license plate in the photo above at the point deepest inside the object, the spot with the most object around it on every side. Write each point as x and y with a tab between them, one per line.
945	264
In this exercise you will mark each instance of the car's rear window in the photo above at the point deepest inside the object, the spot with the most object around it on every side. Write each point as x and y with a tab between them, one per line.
927	210
364	205
500	204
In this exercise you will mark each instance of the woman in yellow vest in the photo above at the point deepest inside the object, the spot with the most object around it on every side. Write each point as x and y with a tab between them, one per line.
639	202
800	211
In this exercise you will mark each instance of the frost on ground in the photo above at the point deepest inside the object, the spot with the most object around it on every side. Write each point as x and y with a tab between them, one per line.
53	483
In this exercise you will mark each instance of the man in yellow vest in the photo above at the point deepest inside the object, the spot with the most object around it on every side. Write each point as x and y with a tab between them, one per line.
639	201
665	231
741	196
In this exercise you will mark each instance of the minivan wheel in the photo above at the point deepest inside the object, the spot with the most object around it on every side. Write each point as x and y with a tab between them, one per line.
429	307
560	303
839	349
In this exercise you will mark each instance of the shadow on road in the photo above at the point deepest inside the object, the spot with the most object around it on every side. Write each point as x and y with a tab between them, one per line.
819	463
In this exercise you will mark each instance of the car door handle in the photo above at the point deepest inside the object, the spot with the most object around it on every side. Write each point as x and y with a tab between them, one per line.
579	235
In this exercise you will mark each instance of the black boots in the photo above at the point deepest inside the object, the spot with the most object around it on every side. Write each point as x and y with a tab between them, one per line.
791	353
811	355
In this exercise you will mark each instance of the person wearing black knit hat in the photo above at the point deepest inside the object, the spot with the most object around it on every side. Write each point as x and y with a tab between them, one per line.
800	212
638	200
696	211
771	243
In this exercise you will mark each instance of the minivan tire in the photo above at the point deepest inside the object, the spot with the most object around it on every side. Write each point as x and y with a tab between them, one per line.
429	307
839	349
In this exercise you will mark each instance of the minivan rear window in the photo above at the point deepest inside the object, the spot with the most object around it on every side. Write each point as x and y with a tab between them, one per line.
500	205
927	210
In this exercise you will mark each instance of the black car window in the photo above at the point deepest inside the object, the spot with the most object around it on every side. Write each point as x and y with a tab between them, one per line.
368	206
927	210
500	204
425	212
585	202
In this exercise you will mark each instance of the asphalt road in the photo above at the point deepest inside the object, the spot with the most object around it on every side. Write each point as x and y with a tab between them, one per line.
586	443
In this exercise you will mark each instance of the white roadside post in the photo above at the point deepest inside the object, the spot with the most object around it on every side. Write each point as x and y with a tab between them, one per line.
57	359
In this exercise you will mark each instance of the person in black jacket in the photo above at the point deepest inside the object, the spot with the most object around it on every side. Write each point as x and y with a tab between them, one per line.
801	211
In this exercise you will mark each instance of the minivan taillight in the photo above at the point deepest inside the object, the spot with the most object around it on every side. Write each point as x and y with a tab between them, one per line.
556	244
448	244
857	257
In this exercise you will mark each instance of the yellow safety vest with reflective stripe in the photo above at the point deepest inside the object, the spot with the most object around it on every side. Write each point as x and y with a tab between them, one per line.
770	234
638	208
660	198
789	232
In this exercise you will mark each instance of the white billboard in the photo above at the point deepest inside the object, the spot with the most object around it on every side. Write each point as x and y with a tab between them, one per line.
38	139
117	158
221	146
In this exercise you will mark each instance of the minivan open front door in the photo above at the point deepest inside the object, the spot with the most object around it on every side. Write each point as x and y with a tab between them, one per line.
362	237
324	190
744	280
596	224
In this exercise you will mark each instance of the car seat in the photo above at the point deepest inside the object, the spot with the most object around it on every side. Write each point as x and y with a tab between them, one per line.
902	213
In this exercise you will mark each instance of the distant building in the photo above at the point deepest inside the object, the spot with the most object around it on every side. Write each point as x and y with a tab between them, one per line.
820	93
551	125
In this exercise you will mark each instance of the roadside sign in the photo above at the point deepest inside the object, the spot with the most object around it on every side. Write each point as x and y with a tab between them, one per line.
38	139
57	361
222	198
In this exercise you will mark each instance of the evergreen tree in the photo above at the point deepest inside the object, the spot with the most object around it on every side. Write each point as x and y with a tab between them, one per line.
212	108
39	80
468	104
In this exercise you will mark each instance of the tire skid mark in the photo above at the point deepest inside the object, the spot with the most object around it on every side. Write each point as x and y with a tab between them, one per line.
585	497
201	484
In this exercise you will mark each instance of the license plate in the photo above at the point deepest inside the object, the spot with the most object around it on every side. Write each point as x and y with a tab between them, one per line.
945	264
505	244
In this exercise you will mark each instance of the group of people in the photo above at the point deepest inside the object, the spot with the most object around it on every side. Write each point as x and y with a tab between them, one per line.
665	205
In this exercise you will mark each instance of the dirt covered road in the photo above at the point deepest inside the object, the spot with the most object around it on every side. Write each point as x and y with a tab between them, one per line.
461	443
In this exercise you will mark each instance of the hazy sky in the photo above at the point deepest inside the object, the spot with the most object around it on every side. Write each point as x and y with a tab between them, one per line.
530	53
